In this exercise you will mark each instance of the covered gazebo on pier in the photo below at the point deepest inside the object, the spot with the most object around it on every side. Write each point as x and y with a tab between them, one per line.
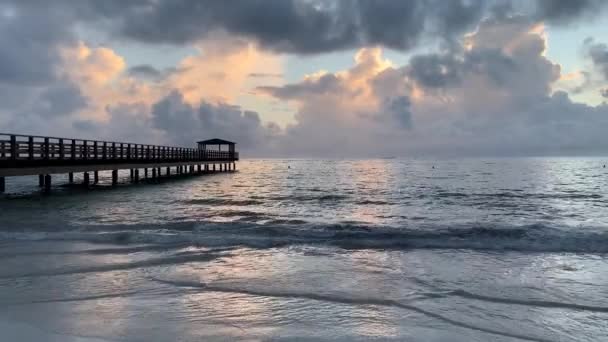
229	146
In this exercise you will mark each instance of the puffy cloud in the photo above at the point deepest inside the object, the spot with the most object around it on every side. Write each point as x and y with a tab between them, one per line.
598	52
97	65
220	72
489	92
492	94
184	123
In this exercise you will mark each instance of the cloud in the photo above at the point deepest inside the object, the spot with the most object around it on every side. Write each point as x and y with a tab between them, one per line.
307	27
293	26
61	99
265	75
145	71
316	85
564	11
31	40
399	109
183	123
220	71
489	91
489	95
598	52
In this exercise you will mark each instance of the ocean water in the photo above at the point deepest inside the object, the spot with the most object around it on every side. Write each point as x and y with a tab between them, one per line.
347	250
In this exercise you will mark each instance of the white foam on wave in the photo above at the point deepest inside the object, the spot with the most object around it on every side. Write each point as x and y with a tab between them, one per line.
530	238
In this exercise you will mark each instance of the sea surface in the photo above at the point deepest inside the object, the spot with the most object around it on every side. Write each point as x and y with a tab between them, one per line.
511	249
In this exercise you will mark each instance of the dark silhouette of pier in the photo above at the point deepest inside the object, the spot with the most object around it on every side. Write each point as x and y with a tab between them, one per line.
26	155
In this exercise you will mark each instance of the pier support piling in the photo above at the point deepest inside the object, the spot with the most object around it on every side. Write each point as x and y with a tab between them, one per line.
114	177
41	181
213	167
132	174
71	177
136	175
95	177
85	179
154	174
146	173
47	183
2	184
168	171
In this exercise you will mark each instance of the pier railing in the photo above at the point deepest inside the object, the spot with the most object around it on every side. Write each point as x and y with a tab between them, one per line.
31	150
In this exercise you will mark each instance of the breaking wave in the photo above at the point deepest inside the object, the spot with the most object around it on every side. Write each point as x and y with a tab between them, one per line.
526	238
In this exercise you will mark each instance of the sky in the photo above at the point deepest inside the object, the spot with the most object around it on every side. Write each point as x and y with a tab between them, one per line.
312	78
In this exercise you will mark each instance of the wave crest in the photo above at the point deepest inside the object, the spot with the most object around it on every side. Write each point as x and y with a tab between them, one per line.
526	238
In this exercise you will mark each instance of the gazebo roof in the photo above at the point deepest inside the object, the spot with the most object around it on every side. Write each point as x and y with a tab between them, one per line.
215	142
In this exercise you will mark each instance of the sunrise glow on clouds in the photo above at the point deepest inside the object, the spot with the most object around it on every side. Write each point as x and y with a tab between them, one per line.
484	84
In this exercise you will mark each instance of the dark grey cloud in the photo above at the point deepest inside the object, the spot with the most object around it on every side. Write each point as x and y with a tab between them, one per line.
566	11
436	70
492	62
326	84
183	124
598	52
149	73
399	110
264	75
62	99
145	71
306	26
30	39
85	125
293	26
439	70
455	16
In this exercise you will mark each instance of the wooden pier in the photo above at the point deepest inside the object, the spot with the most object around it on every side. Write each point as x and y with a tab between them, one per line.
26	155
